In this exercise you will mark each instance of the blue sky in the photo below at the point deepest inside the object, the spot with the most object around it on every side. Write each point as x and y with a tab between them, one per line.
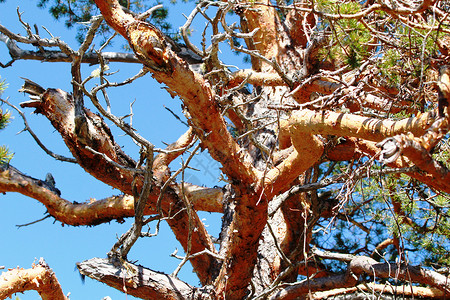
63	246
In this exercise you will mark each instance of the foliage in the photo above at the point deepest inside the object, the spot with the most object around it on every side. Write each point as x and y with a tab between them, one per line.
392	206
5	117
79	12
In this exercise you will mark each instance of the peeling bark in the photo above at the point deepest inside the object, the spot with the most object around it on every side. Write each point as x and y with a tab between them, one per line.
88	129
93	212
40	278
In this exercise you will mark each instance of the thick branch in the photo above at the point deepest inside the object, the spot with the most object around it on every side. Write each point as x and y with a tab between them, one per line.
407	273
308	150
95	211
341	124
405	290
295	291
433	181
92	213
414	150
39	278
240	246
206	119
139	281
86	132
361	265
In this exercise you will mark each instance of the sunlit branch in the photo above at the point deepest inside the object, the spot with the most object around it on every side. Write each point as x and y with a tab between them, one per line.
139	281
40	278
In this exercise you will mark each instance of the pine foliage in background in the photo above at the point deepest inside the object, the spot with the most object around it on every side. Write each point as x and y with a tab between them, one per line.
5	117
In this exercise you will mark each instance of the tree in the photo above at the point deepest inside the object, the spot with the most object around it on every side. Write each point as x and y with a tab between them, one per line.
333	148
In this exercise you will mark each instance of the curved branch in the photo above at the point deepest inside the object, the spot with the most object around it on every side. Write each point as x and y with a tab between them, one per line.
39	278
162	161
341	124
95	212
361	265
303	124
404	290
76	214
435	182
88	130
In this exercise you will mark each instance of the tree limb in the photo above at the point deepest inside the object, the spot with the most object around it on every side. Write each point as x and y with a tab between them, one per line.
40	278
88	129
138	281
361	265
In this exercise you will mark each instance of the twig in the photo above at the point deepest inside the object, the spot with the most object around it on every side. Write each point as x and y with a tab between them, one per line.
27	128
34	222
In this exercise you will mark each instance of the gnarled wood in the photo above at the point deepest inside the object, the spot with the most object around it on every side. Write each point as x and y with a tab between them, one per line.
139	281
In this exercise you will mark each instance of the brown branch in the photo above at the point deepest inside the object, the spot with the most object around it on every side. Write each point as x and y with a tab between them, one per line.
117	207
240	245
308	150
255	78
404	290
381	246
39	278
95	211
91	213
407	273
265	18
297	290
88	131
303	124
420	156
206	119
210	126
361	265
162	161
139	281
204	199
435	182
300	25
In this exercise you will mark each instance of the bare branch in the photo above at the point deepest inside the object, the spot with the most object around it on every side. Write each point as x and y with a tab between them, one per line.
139	281
38	141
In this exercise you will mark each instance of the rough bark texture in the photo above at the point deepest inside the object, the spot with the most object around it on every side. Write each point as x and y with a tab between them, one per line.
139	281
308	109
39	278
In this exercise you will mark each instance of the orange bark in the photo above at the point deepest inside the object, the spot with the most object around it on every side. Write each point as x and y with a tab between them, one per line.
96	211
90	130
193	89
39	278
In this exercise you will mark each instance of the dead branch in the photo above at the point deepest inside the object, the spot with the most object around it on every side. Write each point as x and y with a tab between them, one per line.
138	281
